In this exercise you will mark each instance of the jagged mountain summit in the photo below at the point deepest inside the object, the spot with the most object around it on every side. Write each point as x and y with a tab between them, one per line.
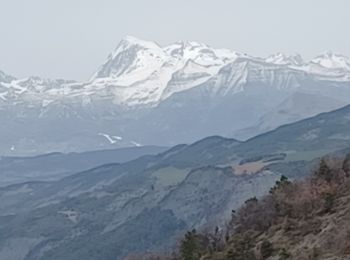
333	61
148	94
283	59
141	72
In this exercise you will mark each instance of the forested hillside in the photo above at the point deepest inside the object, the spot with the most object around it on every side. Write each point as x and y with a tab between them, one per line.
306	219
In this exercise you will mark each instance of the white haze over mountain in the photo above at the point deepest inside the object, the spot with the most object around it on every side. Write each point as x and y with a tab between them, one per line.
148	94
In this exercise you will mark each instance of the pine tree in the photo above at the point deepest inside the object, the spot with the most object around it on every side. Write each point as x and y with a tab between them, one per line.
284	181
324	171
190	246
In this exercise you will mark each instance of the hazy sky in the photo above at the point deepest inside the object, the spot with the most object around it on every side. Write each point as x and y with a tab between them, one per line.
71	38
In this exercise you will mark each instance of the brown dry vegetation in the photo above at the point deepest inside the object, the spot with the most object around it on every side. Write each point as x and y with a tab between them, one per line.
249	168
303	220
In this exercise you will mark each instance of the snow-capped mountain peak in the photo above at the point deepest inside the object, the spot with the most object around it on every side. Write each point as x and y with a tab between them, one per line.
283	59
132	60
332	60
131	42
143	73
198	52
154	94
5	77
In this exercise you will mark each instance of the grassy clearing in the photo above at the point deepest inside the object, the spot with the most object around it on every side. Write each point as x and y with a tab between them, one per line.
170	176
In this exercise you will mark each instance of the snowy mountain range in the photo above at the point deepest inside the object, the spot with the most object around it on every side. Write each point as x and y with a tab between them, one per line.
148	94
